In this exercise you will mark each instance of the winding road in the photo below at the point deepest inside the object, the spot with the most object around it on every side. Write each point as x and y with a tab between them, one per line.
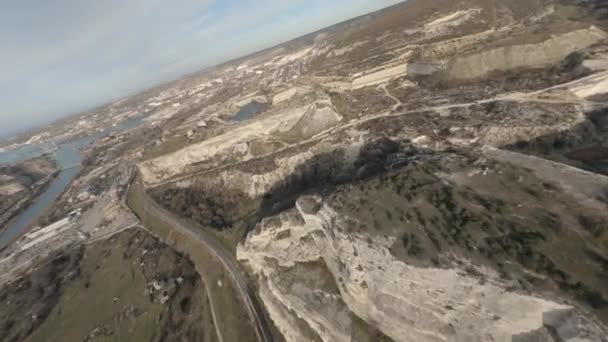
209	242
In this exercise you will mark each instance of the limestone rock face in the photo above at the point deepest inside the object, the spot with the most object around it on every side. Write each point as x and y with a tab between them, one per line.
541	54
316	279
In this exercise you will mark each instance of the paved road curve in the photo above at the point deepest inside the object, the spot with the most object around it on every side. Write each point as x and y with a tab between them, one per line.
216	248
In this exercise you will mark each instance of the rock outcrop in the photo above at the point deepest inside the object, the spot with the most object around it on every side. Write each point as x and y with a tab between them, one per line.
548	52
314	278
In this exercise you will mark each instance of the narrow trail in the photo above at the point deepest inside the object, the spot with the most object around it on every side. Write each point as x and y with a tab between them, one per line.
388	94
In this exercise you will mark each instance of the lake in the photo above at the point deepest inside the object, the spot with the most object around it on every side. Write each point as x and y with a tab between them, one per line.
248	111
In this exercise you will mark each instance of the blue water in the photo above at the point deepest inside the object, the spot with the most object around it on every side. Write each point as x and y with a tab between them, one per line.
250	110
69	160
20	154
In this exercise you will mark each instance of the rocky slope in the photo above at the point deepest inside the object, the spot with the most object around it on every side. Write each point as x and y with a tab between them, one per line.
399	194
426	255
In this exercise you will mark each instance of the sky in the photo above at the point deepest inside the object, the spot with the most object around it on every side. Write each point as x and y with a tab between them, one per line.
59	57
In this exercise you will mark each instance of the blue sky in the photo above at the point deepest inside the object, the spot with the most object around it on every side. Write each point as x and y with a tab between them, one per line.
58	57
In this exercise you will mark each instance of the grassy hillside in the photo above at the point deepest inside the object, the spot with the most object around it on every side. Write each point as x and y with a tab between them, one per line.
128	288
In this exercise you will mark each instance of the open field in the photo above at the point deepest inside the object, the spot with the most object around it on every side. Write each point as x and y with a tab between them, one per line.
129	287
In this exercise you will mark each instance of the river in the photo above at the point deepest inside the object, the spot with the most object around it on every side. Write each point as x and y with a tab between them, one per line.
68	159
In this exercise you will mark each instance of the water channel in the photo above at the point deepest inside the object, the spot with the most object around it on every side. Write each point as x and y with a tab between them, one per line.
68	159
